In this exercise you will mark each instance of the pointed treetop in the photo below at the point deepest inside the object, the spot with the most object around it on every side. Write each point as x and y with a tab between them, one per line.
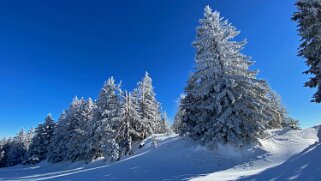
147	79
110	87
63	114
49	117
22	130
208	13
31	130
111	80
207	9
89	103
90	100
21	134
75	99
75	102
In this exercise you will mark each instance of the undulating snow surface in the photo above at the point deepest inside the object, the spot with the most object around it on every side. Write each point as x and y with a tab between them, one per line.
284	155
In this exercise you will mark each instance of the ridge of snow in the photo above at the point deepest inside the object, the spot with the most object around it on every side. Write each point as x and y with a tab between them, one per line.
284	155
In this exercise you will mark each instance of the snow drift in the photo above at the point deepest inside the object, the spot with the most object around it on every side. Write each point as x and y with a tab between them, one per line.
284	155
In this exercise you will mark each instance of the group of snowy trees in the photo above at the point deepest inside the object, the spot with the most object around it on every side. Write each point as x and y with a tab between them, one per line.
14	150
224	101
109	127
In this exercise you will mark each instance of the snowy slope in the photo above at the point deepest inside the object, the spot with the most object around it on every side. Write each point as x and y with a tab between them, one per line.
285	155
289	156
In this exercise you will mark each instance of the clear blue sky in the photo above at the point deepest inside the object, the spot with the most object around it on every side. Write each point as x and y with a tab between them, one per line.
51	51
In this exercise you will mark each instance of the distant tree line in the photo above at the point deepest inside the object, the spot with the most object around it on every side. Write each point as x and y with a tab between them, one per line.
109	127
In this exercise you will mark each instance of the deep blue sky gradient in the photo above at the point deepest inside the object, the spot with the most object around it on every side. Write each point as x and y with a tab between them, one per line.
51	51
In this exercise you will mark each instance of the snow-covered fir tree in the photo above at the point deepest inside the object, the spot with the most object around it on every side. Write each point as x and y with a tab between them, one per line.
149	107
29	137
177	126
130	125
163	126
40	142
58	144
275	110
3	143
105	120
308	18
277	113
70	131
67	142
1	156
15	150
224	99
79	116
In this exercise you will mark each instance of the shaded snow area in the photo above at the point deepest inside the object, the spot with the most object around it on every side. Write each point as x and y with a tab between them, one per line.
284	155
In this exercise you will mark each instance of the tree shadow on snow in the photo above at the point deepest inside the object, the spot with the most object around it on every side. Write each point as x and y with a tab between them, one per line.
303	166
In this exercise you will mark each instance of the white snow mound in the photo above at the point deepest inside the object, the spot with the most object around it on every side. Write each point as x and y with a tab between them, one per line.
284	155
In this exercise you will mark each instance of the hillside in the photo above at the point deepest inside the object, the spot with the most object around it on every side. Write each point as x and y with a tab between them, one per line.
284	155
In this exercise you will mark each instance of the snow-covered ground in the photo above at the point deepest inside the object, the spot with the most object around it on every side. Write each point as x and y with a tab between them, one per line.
284	155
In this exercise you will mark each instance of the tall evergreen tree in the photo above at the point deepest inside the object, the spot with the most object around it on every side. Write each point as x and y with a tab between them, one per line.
62	142
177	126
163	127
40	142
79	116
70	131
224	99
29	136
149	107
275	110
3	143
58	145
129	129
105	120
308	18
